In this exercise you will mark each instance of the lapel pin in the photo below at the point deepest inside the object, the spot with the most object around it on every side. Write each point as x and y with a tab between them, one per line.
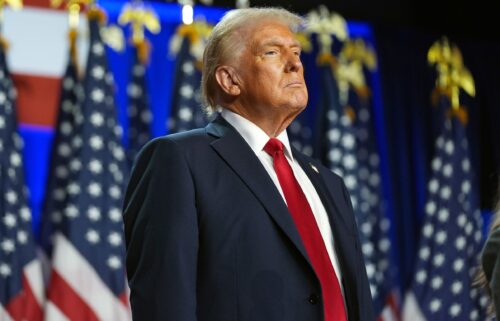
314	168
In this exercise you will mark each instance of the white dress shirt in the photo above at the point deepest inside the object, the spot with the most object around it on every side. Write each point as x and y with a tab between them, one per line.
257	139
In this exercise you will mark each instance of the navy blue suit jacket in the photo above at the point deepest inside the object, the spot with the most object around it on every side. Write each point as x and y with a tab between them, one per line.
209	237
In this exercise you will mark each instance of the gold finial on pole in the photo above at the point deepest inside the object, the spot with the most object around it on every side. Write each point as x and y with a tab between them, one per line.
139	17
452	75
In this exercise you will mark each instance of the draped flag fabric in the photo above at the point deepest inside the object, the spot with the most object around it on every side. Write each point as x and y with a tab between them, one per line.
64	153
139	114
88	275
450	240
348	147
21	281
300	135
186	112
371	213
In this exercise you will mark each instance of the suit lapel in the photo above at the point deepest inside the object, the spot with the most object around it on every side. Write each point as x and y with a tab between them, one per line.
343	243
240	157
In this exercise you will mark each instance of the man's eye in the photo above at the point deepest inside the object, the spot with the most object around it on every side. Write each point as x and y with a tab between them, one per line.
271	52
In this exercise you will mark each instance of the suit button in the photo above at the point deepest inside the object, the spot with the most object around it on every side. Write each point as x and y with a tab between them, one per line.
313	299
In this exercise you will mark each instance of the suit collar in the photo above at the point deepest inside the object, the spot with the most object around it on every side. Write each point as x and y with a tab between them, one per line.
240	157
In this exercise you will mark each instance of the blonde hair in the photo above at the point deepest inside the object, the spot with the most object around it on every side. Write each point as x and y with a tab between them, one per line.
223	43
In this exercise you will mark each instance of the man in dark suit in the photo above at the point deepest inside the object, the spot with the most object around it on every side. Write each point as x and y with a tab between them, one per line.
228	223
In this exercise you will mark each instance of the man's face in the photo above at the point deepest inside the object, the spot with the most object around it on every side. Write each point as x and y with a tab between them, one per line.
271	72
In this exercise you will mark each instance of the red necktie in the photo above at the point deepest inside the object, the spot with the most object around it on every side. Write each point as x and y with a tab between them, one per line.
333	303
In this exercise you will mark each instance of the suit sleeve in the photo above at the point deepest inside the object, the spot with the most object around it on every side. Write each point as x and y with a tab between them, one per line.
364	293
161	231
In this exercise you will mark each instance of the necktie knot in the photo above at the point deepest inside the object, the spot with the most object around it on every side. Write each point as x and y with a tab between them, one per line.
273	146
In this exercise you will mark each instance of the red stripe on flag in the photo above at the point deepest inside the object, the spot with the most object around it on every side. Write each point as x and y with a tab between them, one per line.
124	298
42	4
68	301
24	306
37	99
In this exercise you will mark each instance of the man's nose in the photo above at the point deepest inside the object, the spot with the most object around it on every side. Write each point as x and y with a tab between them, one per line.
293	62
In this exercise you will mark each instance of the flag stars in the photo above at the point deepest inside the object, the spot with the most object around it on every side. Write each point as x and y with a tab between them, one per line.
97	95
73	188
97	72
334	135
22	237
97	49
2	121
96	142
15	159
436	164
94	213
134	90
115	192
348	141
455	310
449	147
188	68
9	220
8	246
139	70
428	230
458	265
75	165
94	189
71	211
447	170
421	276
25	214
66	128
95	166
460	243
430	208
445	192
97	119
435	305
436	282
115	215
11	197
92	236
443	214
5	270
456	287
438	259
185	114
441	237
187	91
114	262
424	253
61	172
115	239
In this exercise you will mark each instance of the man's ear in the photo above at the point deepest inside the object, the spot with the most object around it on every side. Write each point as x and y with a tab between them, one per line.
228	80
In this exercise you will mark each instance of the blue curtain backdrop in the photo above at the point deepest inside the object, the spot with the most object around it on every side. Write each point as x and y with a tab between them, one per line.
401	110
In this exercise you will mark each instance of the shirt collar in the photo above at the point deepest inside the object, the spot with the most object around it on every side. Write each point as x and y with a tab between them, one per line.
253	134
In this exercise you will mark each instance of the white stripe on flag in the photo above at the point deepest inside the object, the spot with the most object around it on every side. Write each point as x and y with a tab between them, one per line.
84	280
4	316
411	309
38	42
53	313
33	272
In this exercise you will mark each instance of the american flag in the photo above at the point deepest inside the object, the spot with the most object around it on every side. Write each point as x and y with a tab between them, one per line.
63	152
371	214
300	135
21	281
187	45
88	274
348	147
450	240
139	114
